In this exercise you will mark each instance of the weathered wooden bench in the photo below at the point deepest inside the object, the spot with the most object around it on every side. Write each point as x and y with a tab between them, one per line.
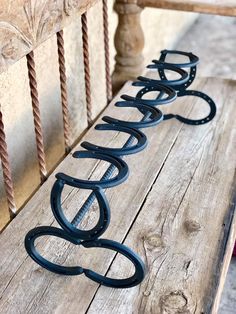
176	210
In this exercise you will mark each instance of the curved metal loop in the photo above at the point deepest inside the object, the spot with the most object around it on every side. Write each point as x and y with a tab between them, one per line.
193	59
132	281
129	282
192	64
156	115
30	247
151	86
205	97
167	90
123	172
140	136
162	66
58	212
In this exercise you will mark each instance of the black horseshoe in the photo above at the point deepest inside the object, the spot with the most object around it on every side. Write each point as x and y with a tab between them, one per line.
192	64
127	252
37	232
156	115
123	172
193	59
198	121
135	279
96	231
161	67
167	92
140	136
151	86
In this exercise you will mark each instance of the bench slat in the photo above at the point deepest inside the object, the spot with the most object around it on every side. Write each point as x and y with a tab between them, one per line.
188	239
218	7
26	287
15	264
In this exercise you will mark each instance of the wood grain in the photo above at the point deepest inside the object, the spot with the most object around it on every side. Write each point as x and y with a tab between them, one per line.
25	24
164	191
217	7
185	231
51	292
226	249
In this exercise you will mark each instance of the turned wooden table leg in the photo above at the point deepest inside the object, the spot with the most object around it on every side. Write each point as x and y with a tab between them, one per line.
129	43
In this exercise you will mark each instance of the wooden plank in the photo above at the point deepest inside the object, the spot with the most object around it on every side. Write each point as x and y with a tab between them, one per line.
217	7
185	231
26	24
227	248
26	287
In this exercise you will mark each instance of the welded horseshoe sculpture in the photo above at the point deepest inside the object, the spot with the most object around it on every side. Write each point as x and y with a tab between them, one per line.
179	85
168	91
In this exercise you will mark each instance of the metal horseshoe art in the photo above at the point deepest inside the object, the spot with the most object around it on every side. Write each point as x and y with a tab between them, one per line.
168	90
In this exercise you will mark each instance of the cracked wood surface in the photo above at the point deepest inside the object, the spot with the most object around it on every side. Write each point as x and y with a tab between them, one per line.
218	7
25	24
176	211
188	239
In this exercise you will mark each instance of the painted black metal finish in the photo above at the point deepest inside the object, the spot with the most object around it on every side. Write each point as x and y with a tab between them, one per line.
140	136
161	67
58	212
167	92
152	86
191	65
179	86
135	279
204	120
123	172
156	115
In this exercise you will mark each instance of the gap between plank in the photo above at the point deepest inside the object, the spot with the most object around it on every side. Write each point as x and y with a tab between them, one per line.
140	208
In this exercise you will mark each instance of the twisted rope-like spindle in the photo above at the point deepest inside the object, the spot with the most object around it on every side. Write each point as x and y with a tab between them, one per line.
36	114
106	48
86	67
64	96
7	176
